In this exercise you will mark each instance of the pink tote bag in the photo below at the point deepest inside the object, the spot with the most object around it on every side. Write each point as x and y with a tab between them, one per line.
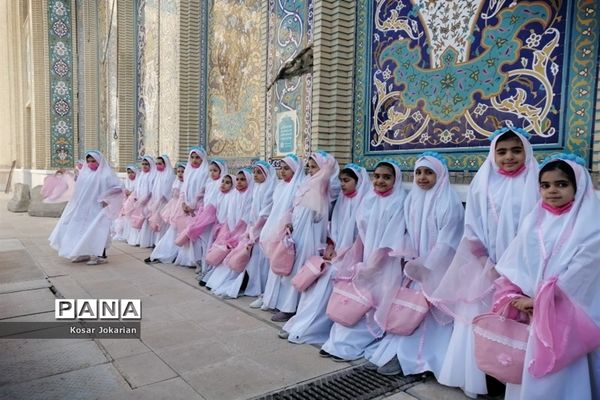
346	305
407	311
283	255
314	267
500	345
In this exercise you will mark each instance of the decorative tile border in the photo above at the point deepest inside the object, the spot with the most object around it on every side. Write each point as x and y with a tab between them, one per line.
578	93
60	42
140	149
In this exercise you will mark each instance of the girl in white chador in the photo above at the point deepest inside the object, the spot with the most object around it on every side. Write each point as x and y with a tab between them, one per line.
311	324
142	194
236	221
161	194
254	276
434	218
291	173
83	231
381	226
165	250
551	272
308	225
191	195
202	225
501	194
121	226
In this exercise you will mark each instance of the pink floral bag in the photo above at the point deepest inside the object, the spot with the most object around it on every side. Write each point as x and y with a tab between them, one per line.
408	309
219	249
137	218
347	305
500	345
283	255
314	267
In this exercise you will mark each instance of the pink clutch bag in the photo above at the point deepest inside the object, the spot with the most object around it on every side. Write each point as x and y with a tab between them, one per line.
314	267
239	256
137	218
407	311
346	305
500	345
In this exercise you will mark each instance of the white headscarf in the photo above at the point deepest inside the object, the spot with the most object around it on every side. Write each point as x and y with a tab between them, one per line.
314	191
194	179
380	220
130	183
496	205
508	198
568	243
161	190
262	193
213	186
239	208
145	180
224	200
92	185
283	195
343	218
433	216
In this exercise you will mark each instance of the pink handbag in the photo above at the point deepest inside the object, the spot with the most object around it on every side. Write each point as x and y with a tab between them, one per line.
283	255
182	238
137	218
314	267
500	345
240	256
219	249
409	308
346	305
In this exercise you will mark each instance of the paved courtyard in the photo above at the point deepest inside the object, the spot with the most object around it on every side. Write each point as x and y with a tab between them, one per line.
193	345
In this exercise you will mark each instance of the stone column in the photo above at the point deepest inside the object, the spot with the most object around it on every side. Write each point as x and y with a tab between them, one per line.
333	77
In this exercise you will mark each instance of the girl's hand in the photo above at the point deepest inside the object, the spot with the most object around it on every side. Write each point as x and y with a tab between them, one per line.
290	227
524	304
103	204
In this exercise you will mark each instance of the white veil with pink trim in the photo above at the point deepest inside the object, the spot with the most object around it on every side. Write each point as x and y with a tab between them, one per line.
496	204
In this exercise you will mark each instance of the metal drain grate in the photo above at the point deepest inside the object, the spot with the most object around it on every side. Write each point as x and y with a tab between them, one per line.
353	384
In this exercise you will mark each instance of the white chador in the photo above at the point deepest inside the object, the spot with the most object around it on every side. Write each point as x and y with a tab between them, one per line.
161	194
221	201
212	197
380	223
84	227
434	221
143	237
283	196
311	324
257	268
192	193
309	221
121	226
166	250
237	214
496	204
555	261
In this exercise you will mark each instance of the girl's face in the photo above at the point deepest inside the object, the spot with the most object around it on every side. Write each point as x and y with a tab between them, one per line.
215	171
383	178
196	160
130	173
226	184
160	164
180	171
425	178
286	172
313	167
556	189
509	155
259	176
91	163
348	184
145	166
241	183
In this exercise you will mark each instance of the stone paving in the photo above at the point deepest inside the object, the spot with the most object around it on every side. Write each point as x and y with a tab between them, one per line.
193	345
